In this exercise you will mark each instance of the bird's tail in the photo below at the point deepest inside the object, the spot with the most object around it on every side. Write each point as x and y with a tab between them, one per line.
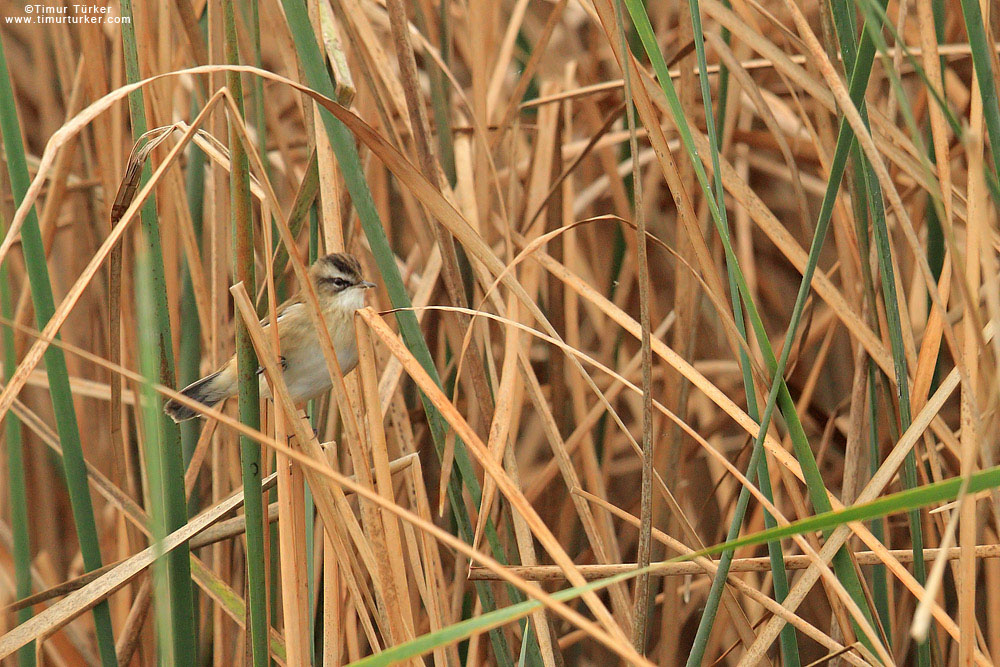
209	390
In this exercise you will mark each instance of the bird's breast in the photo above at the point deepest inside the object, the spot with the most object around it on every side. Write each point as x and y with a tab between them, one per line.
305	368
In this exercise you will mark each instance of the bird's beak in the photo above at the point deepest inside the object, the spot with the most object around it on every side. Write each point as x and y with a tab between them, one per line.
366	284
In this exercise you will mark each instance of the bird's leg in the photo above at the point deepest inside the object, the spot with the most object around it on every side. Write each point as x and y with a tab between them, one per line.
302	415
281	360
315	434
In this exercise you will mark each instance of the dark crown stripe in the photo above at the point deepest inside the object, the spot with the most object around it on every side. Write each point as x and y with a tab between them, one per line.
345	264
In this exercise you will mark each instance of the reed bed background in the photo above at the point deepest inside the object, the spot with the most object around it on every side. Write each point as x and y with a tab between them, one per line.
611	239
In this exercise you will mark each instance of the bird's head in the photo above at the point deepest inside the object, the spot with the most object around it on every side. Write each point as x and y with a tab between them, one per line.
338	277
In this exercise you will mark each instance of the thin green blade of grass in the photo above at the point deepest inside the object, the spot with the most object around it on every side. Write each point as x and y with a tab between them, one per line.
172	463
55	362
189	360
17	494
789	644
487	621
246	358
902	501
346	153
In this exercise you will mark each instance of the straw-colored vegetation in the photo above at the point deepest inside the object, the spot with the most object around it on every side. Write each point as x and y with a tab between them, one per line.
611	238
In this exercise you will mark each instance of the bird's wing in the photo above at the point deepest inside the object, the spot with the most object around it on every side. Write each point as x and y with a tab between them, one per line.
283	311
289	308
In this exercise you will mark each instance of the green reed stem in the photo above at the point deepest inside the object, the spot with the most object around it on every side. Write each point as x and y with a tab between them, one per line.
18	495
151	414
172	463
246	358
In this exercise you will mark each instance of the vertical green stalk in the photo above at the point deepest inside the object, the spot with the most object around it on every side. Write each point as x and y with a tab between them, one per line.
862	55
983	64
246	358
15	472
258	83
55	363
720	118
252	15
439	89
151	414
189	361
880	583
172	460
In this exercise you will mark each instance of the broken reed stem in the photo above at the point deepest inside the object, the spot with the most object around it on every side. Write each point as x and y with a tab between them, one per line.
762	564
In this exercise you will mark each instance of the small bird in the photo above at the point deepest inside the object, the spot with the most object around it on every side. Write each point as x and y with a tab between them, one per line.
340	291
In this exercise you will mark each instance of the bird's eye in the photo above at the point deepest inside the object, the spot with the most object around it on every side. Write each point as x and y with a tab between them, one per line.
340	283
